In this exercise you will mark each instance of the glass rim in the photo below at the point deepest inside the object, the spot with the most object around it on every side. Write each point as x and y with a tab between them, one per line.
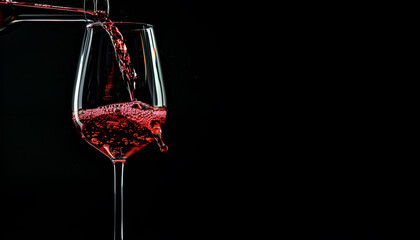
121	23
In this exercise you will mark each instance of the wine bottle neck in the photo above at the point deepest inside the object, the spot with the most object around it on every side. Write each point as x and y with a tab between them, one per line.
29	12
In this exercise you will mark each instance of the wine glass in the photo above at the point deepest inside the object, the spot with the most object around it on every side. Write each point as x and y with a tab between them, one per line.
119	100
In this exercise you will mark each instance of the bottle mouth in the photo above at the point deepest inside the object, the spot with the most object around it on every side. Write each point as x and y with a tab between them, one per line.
96	6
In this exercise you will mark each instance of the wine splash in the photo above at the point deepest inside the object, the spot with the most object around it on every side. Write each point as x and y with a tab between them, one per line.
120	130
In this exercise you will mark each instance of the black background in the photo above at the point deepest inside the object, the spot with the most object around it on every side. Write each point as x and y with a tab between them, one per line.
261	134
55	186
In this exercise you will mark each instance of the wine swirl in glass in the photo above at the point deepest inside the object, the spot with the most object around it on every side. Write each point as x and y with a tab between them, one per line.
119	102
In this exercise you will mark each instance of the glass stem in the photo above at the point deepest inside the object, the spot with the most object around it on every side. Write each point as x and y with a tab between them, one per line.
118	199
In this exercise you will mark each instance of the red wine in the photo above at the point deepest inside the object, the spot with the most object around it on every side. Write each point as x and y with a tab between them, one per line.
120	130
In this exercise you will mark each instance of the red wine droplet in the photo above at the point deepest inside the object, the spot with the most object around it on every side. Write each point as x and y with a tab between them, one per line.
157	134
